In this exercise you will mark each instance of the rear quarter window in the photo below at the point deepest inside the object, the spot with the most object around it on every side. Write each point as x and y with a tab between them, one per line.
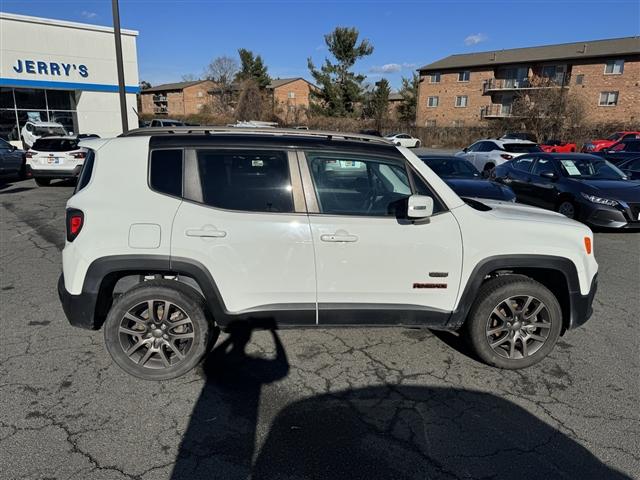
86	172
165	172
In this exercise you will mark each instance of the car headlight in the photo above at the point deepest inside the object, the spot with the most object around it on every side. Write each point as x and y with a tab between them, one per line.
600	200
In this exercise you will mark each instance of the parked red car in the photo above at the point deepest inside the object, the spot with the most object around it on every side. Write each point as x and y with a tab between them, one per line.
597	145
552	146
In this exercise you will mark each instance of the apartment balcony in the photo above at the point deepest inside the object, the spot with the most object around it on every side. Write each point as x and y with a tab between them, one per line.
528	83
157	109
160	98
496	110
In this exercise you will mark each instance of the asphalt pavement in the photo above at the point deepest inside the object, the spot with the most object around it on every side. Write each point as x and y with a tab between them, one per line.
320	404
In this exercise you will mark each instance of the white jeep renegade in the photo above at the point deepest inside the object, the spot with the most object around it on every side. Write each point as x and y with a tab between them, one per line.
173	233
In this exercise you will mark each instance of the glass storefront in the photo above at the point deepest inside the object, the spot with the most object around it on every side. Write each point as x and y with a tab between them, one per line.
18	105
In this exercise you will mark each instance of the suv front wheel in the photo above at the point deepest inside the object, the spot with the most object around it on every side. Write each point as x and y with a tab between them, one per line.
158	330
514	322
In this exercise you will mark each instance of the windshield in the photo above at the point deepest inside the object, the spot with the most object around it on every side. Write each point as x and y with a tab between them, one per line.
615	136
43	131
593	169
452	167
521	147
55	145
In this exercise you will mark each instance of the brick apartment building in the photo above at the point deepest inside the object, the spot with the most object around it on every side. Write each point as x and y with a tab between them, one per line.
175	99
469	89
290	98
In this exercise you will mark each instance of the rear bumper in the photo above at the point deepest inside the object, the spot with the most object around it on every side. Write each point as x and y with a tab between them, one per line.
582	305
79	309
53	173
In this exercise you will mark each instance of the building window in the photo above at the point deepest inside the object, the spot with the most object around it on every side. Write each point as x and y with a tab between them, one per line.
579	79
608	99
464	76
458	123
200	94
434	78
461	101
430	123
291	95
432	101
614	67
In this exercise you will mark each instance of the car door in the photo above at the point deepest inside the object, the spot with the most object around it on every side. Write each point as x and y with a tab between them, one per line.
373	266
543	191
244	220
10	158
470	154
518	177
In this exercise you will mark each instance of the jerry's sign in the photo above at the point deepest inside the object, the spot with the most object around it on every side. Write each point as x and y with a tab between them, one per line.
38	67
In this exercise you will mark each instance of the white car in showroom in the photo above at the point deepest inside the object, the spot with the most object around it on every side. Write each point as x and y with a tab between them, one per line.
55	157
31	131
403	140
489	153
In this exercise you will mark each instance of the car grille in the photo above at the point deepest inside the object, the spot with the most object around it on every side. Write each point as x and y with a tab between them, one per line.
635	211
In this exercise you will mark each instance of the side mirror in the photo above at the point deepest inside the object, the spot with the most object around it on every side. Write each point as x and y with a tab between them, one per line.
420	206
465	149
13	148
549	174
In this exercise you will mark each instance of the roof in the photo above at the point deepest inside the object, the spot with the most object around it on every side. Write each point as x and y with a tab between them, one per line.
279	82
62	23
395	97
172	86
563	51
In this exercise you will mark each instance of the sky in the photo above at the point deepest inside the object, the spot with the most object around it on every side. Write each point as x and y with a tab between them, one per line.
179	37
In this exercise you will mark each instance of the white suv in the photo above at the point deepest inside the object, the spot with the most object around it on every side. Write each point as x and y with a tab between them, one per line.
54	157
312	229
489	153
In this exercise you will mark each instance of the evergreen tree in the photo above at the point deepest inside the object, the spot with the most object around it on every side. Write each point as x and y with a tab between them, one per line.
408	106
340	88
252	68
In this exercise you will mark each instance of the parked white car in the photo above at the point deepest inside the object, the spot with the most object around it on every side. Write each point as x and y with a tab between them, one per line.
54	157
489	153
308	229
403	140
31	131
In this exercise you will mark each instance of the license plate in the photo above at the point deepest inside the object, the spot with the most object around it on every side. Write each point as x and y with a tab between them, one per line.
54	160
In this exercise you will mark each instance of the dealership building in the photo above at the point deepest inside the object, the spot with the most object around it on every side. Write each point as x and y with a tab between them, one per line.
65	72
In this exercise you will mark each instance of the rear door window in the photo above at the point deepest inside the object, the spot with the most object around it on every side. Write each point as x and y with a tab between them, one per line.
255	181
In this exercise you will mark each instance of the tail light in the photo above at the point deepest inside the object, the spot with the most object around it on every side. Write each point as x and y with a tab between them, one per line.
75	222
506	156
78	154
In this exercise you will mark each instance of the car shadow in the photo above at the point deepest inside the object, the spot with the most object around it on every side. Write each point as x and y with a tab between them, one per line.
388	431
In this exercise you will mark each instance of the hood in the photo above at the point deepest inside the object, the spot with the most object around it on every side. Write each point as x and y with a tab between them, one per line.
625	190
470	187
518	211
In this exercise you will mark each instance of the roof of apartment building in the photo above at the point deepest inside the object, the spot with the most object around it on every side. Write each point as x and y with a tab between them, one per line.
395	97
563	51
279	82
172	86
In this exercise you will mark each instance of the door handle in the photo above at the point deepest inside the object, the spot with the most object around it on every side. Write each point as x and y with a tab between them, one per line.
205	233
339	236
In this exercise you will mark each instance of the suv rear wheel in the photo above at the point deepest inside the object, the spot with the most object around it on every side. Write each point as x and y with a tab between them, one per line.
514	322
158	330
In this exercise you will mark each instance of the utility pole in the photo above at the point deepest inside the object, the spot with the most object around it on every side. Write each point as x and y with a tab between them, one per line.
121	87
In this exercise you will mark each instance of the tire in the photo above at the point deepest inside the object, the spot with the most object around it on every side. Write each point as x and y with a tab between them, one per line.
568	209
417	145
487	169
149	349
43	182
499	341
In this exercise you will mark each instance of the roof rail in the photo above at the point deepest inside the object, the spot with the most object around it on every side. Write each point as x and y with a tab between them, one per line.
289	132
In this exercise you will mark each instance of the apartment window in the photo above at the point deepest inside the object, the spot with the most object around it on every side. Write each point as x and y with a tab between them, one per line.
614	67
608	99
432	101
430	123
464	76
579	79
434	78
458	123
461	101
291	94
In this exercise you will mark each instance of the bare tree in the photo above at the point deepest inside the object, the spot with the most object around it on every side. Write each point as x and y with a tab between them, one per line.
189	77
251	104
222	71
